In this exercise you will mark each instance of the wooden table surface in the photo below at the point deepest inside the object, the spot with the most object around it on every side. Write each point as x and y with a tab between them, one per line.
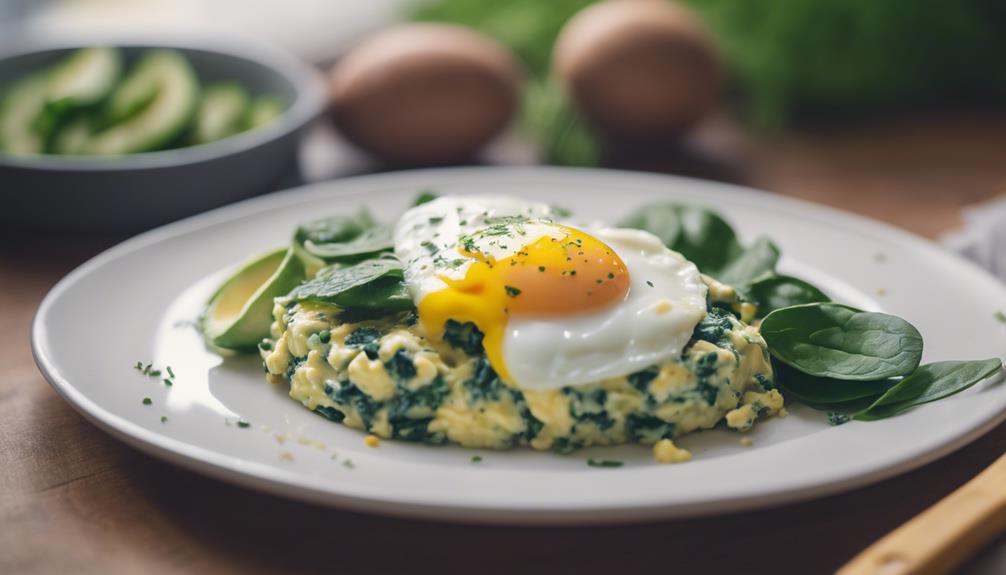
72	499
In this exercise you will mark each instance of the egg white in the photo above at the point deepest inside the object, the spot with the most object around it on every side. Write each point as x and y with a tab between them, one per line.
665	301
427	236
655	320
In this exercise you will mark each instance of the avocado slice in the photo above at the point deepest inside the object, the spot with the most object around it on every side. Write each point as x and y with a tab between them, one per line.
221	112
20	113
263	110
239	314
84	79
72	137
152	106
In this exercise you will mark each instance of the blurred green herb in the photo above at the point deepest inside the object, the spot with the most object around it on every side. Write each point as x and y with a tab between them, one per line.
794	58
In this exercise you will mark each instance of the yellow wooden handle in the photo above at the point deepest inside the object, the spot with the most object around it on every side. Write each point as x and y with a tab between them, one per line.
939	538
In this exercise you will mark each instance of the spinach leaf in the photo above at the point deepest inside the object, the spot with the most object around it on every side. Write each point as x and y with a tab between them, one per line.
776	292
367	244
343	239
825	391
930	382
699	234
374	284
841	342
754	262
335	229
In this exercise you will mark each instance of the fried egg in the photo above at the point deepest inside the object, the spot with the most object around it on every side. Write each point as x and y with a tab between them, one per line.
558	304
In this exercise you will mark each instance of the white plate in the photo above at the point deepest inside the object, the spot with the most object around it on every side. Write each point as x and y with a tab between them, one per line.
136	302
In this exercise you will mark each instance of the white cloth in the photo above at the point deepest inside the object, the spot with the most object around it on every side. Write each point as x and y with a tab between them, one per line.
983	237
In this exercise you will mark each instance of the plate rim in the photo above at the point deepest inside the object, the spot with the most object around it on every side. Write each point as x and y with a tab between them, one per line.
257	476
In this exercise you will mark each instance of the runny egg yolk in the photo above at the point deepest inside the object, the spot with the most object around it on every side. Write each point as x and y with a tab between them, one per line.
567	273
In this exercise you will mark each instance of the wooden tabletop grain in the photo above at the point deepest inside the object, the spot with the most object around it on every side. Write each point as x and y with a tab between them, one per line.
72	499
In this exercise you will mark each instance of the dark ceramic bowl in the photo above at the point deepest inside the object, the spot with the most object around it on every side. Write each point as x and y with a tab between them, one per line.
140	191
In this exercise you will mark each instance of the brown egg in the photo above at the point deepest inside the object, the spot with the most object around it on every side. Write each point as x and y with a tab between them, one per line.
638	69
422	94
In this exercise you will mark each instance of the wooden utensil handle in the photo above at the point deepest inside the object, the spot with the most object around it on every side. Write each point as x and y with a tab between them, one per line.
939	538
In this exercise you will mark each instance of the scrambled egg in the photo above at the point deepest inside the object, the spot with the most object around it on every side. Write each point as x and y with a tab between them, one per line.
384	376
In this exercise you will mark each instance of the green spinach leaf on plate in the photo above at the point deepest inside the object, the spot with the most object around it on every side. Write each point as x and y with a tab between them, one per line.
930	382
824	391
699	234
369	243
373	284
334	229
841	342
756	261
778	291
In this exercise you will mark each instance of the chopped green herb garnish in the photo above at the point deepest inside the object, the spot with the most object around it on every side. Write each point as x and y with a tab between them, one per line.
476	458
611	276
138	366
164	419
423	197
541	268
325	336
604	462
348	464
168	382
1001	316
147	401
171	373
512	291
649	283
154	373
243	424
836	418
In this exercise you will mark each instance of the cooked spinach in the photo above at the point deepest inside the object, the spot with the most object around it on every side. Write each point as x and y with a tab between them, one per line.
484	384
779	291
841	342
641	379
715	327
400	366
836	418
366	338
330	413
930	382
699	234
647	428
825	391
464	336
374	284
604	462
